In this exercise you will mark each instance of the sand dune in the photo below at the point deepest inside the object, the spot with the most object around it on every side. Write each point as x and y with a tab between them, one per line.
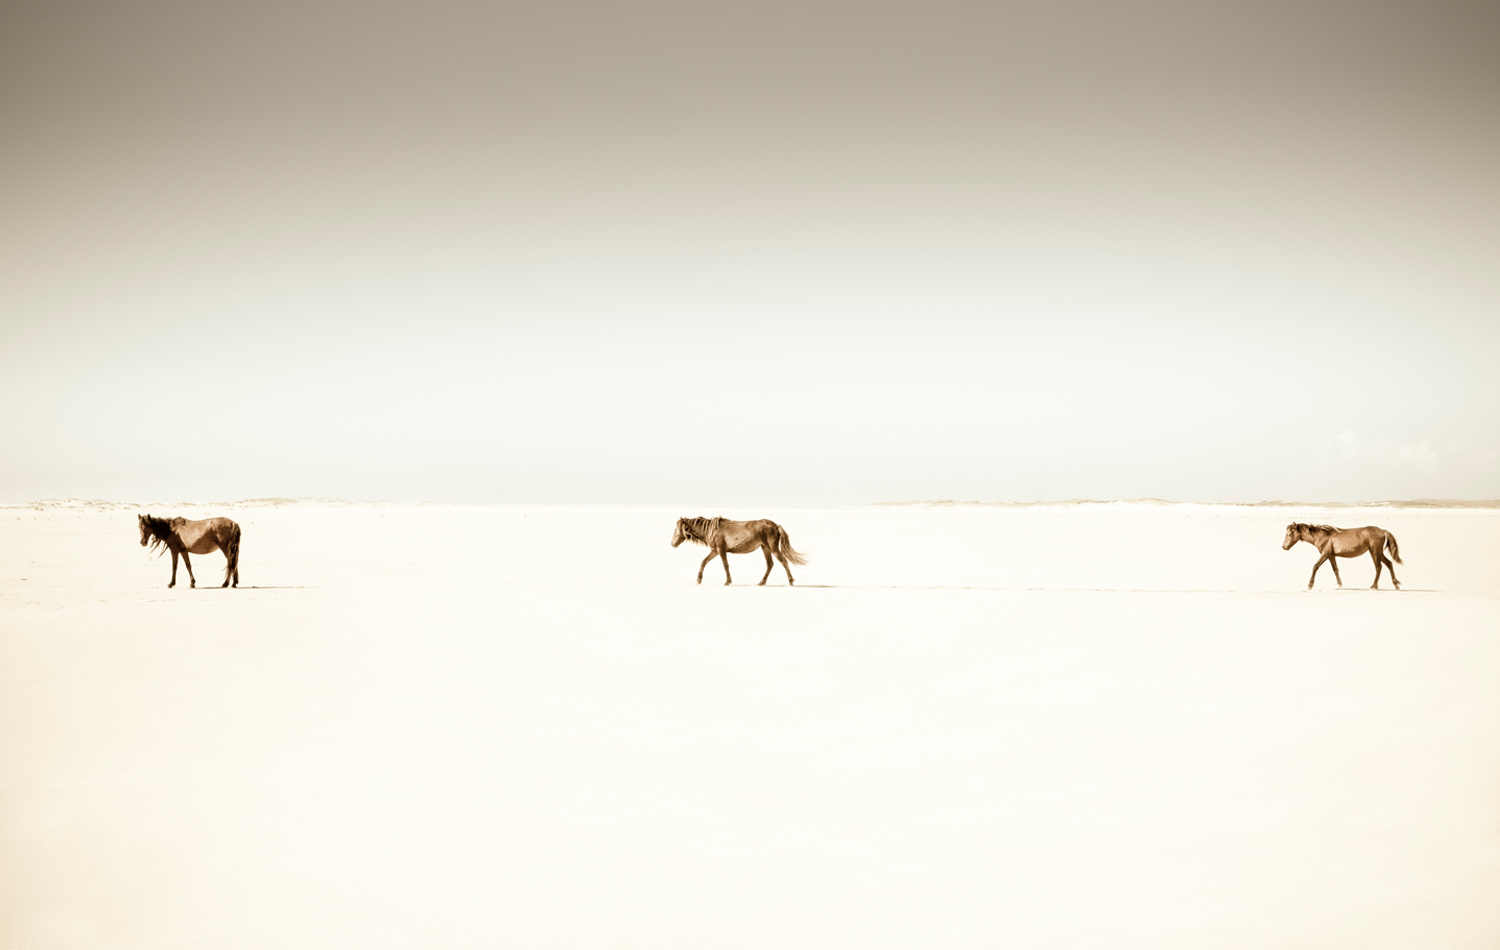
1079	726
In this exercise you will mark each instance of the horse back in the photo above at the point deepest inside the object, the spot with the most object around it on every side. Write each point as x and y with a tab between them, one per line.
1355	541
203	537
742	537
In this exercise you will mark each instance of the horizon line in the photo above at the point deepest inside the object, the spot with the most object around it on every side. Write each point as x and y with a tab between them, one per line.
315	501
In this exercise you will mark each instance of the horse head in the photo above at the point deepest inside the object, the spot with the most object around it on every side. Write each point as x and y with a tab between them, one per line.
1293	535
680	535
154	531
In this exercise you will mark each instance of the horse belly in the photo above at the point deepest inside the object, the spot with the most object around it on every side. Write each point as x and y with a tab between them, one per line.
745	547
1350	547
200	538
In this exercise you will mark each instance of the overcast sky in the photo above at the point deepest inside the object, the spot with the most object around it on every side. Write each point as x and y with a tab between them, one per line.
776	253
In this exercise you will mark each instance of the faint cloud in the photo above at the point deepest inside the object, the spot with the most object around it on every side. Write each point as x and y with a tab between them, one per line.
1348	445
1356	466
1421	454
1344	445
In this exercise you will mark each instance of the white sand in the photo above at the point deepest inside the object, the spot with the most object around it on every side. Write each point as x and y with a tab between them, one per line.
1094	727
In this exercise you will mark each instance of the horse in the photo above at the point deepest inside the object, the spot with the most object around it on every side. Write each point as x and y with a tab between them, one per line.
723	537
181	536
1335	543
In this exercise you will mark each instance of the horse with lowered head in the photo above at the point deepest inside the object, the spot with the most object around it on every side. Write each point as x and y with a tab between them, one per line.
1335	543
181	536
723	537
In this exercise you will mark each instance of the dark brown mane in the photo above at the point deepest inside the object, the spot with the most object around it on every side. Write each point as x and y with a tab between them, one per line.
160	528
1317	527
700	530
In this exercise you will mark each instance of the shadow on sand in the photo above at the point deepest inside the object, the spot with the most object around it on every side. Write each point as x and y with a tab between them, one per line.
1116	590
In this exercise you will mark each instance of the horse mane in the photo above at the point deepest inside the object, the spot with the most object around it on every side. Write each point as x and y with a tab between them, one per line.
702	530
160	528
1317	527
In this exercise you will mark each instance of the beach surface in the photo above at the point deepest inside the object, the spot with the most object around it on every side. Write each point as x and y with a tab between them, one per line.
1103	725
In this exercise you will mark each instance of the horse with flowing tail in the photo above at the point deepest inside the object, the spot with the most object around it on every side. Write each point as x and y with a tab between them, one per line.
723	537
181	536
1335	543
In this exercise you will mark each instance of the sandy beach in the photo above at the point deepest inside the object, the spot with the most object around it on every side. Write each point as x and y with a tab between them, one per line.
1078	726
562	274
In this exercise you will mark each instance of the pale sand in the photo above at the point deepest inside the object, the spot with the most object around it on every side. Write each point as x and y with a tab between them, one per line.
1093	727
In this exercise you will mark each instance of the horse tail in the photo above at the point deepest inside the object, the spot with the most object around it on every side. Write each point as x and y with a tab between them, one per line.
1390	543
784	541
234	548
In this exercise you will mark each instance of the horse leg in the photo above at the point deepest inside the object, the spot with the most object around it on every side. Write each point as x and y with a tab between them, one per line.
724	556
764	549
1392	568
1315	570
1375	556
711	556
174	570
192	581
228	567
1333	562
782	558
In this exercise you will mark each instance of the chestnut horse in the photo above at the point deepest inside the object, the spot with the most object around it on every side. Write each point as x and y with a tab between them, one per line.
181	536
1335	543
724	537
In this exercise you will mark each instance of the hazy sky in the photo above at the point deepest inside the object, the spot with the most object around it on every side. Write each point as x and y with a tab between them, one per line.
701	253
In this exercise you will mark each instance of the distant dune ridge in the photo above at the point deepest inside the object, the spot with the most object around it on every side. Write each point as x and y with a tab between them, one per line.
1070	502
107	505
103	504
